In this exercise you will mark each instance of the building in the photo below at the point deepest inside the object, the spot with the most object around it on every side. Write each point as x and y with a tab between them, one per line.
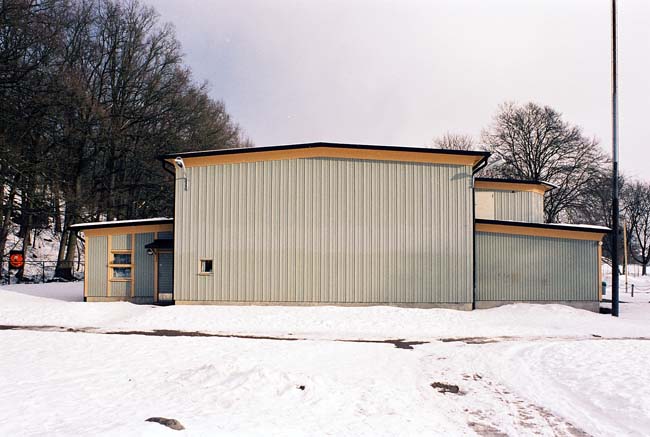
342	224
128	260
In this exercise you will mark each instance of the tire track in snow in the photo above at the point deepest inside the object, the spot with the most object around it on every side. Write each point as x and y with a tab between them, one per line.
488	406
527	417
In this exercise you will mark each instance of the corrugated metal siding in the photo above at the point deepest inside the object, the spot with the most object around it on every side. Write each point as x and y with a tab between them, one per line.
120	288
165	272
527	268
96	270
325	230
165	235
144	266
520	206
121	242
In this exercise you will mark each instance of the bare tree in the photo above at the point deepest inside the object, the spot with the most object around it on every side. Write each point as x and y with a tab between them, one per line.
91	92
594	206
636	206
535	143
453	141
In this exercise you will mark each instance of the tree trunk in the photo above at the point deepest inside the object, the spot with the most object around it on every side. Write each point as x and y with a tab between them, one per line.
61	255
25	229
69	256
7	213
24	235
643	268
58	228
68	243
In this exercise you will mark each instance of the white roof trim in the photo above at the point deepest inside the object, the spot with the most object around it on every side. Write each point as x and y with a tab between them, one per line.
120	222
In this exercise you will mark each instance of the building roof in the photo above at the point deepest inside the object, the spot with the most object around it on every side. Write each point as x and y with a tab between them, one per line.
513	184
553	230
119	223
329	150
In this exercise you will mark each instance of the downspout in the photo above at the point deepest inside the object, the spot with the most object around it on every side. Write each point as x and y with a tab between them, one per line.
480	166
76	231
173	173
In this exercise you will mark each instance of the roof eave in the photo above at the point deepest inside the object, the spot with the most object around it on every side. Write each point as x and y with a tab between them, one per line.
481	155
121	223
594	232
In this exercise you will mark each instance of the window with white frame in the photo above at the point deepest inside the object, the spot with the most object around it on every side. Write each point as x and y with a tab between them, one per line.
206	267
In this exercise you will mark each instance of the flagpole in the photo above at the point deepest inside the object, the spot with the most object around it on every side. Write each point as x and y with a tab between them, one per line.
615	205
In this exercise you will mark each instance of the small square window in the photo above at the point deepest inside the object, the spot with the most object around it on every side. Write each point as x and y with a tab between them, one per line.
206	266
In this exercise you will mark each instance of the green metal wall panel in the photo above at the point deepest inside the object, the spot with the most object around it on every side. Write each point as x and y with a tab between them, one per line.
96	266
144	266
325	230
528	268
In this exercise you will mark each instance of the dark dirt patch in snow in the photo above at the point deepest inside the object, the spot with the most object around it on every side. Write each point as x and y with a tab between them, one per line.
443	388
169	423
45	328
474	340
177	333
399	343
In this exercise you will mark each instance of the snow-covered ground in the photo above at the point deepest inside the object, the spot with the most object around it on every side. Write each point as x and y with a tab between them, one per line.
521	369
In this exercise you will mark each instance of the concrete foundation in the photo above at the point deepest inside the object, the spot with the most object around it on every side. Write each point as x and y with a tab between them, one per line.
140	300
453	306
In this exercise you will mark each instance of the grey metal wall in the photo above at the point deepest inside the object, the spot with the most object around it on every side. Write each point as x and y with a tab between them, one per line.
144	266
121	242
520	206
120	288
527	268
325	230
96	270
165	272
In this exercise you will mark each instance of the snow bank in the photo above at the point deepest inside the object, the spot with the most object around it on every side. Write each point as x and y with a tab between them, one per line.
317	322
553	378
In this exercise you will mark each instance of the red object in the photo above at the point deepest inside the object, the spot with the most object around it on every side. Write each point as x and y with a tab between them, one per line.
16	260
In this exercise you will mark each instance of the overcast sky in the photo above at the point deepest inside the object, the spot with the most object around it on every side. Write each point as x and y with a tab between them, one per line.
403	72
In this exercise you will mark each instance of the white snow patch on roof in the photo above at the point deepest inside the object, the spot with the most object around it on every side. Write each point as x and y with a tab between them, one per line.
560	225
119	222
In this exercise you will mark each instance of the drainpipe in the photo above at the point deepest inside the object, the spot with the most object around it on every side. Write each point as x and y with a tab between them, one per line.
172	171
481	165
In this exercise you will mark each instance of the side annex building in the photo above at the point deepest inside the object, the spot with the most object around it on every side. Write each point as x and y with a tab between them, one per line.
341	224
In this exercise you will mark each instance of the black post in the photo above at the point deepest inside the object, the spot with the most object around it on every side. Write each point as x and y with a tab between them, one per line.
43	275
615	206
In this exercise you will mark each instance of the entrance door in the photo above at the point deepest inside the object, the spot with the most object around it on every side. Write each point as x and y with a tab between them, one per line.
165	276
